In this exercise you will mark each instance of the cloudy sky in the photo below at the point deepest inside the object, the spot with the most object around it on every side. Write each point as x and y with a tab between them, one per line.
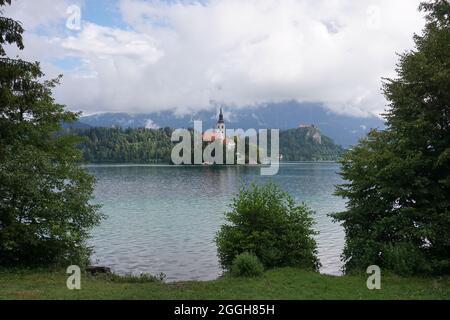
142	56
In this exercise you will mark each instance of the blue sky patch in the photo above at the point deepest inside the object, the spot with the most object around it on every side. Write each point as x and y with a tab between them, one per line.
103	12
68	63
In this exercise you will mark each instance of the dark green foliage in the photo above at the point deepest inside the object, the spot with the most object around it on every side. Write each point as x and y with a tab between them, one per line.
132	278
299	145
247	265
398	190
267	222
118	145
45	212
404	259
10	31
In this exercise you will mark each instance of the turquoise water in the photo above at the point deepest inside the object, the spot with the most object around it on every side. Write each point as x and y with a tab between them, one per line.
164	218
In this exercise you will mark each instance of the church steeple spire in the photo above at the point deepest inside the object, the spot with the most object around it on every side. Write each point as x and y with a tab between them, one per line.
221	117
221	124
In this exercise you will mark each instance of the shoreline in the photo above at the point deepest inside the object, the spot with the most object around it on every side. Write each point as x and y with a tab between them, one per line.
165	164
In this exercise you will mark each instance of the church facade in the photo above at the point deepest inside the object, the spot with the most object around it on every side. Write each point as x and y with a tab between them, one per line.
219	133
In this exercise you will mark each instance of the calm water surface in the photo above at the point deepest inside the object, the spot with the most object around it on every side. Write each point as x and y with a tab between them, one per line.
164	218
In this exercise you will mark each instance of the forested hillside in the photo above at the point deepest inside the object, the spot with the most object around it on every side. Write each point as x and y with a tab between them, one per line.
306	144
117	145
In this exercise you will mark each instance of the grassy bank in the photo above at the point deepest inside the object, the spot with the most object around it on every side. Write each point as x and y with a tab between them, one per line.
287	283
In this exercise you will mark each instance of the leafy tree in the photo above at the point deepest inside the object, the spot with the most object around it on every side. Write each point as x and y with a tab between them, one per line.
45	213
398	189
117	145
267	222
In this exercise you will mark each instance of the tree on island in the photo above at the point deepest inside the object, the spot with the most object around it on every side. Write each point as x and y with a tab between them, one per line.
45	214
398	189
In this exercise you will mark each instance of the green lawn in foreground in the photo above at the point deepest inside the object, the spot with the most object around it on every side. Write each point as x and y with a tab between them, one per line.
286	283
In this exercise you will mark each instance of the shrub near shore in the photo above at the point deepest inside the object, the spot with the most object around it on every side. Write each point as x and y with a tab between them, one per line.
266	222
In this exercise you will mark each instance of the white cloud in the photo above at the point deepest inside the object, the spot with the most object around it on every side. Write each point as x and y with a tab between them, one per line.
188	55
34	14
97	42
150	124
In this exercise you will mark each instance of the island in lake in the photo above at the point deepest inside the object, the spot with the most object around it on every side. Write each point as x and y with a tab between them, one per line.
144	145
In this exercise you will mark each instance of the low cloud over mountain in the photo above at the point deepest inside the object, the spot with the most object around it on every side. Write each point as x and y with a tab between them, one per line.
145	56
345	130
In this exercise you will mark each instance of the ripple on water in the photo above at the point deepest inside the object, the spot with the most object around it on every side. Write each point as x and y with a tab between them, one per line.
164	219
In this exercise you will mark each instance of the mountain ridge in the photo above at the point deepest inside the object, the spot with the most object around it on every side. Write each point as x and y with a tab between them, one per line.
343	129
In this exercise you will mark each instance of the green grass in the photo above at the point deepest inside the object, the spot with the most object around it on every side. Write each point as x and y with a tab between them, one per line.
286	283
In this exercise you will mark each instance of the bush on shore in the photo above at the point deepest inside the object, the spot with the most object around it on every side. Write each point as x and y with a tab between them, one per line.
267	222
247	265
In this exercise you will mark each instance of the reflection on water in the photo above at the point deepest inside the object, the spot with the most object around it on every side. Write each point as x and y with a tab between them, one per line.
164	218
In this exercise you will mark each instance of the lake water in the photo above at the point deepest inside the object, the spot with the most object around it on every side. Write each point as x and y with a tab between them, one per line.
164	218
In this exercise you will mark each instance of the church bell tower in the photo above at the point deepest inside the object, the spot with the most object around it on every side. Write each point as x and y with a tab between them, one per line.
221	124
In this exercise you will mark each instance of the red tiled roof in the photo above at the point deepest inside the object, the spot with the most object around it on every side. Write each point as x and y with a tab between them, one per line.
212	136
209	136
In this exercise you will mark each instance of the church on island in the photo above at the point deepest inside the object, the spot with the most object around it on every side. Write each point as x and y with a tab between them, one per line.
219	134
